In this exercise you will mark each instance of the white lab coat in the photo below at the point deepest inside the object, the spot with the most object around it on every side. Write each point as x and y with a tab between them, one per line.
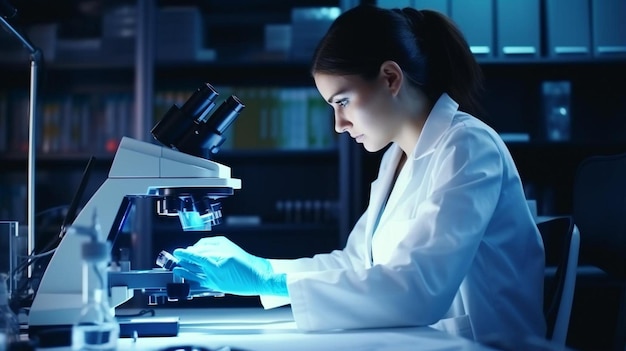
456	246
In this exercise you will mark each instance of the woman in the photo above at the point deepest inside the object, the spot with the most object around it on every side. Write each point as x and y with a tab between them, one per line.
447	239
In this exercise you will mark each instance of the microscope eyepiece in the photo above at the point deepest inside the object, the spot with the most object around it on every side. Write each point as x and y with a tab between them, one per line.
209	136
177	121
200	103
192	129
225	115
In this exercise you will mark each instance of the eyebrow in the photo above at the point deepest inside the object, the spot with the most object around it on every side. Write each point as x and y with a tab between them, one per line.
330	99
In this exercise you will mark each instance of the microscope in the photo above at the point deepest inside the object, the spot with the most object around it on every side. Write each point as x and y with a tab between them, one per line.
182	180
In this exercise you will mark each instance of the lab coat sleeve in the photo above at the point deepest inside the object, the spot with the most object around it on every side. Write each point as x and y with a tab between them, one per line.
350	257
437	244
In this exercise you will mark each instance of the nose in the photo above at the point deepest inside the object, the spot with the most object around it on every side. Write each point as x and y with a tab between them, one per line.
341	124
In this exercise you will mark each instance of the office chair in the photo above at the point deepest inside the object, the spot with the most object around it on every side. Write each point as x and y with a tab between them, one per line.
599	211
561	242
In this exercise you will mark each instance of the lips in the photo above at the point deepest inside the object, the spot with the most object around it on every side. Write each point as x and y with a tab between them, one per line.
358	137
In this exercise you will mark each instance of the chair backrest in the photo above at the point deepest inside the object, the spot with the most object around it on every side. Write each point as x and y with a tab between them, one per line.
561	241
599	210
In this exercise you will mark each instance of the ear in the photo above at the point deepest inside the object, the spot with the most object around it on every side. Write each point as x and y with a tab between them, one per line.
392	75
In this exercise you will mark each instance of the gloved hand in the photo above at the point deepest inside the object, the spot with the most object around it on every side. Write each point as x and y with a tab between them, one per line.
219	264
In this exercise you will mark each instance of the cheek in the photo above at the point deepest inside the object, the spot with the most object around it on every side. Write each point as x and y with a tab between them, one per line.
379	102
372	117
365	120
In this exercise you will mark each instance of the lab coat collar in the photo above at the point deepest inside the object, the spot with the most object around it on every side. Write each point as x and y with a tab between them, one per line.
437	122
379	191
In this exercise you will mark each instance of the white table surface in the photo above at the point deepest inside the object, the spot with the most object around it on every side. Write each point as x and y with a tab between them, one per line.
256	329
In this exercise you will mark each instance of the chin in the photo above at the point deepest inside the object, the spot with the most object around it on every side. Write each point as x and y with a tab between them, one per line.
373	148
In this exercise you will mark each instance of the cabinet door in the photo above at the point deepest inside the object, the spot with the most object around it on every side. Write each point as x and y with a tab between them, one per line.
475	19
608	27
568	28
518	28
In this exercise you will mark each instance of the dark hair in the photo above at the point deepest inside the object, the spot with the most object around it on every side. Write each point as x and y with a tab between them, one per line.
426	44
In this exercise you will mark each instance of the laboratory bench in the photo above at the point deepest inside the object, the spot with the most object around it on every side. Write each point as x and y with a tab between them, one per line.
258	329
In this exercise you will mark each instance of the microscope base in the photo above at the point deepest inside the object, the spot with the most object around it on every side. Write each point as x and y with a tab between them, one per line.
148	326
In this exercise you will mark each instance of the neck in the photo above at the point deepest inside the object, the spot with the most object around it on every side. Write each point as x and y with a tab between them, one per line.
410	135
401	163
417	110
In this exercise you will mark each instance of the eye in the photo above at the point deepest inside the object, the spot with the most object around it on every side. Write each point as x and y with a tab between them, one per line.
342	102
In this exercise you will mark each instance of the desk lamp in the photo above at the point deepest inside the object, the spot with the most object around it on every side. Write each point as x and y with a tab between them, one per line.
7	11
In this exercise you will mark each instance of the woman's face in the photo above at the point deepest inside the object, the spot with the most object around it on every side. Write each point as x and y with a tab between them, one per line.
363	109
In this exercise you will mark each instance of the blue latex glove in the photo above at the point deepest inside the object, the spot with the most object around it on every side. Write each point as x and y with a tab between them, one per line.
219	264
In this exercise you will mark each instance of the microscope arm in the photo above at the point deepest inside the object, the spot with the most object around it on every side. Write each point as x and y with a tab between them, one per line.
139	169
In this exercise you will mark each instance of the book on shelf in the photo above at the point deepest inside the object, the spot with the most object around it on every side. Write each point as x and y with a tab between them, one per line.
66	123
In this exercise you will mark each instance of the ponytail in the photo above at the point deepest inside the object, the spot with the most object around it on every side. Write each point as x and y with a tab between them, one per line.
452	67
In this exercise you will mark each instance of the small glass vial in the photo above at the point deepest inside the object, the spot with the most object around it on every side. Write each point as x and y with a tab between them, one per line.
96	329
9	325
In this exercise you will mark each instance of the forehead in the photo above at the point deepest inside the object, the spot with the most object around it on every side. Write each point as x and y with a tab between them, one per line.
330	84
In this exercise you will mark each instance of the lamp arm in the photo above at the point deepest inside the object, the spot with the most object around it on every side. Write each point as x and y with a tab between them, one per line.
25	42
35	58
